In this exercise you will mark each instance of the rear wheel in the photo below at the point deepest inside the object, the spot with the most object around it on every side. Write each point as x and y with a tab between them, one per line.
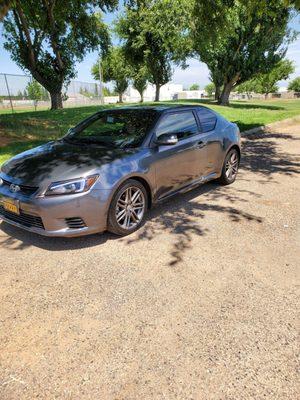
230	167
128	208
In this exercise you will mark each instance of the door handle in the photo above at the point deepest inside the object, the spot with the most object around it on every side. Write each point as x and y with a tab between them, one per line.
200	144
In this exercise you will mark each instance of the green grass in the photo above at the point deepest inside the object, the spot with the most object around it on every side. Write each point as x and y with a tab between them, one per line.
28	129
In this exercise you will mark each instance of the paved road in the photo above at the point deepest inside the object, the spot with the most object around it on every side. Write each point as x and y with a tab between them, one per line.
201	303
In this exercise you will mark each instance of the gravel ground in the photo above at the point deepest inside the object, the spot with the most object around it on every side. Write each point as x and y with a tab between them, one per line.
201	303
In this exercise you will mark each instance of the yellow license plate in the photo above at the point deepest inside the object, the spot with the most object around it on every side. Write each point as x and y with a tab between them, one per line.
11	207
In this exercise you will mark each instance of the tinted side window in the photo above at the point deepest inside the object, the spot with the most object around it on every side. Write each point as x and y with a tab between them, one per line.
207	119
183	124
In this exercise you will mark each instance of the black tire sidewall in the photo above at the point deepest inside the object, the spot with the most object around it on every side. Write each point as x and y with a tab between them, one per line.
112	225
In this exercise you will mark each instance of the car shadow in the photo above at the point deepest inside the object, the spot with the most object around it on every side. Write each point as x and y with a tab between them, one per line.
19	239
180	215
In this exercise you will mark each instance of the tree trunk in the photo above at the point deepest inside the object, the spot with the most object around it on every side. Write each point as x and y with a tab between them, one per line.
224	97
142	97
56	100
266	96
217	92
157	90
120	97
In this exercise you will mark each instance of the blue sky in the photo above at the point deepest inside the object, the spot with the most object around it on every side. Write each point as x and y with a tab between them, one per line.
197	72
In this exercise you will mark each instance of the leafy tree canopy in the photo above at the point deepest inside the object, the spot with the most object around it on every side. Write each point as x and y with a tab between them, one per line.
48	37
267	83
209	88
155	34
4	7
248	87
35	92
194	86
295	84
115	69
239	39
140	79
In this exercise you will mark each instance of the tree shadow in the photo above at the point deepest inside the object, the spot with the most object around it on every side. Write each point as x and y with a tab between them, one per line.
182	215
262	155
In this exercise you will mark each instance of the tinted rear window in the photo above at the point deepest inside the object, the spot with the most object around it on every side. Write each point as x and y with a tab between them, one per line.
207	118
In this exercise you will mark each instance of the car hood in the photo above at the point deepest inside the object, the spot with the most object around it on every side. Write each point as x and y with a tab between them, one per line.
57	161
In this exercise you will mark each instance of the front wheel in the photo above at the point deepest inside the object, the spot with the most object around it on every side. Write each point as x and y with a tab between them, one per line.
230	167
128	208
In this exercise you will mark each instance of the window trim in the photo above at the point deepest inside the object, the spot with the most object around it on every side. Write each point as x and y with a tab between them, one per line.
167	113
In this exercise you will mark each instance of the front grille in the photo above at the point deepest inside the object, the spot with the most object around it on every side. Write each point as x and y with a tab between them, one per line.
26	190
24	219
75	223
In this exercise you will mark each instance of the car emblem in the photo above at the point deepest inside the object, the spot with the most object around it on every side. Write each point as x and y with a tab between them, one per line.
14	188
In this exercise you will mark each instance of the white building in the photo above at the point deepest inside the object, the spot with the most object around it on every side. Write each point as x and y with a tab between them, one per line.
167	92
190	94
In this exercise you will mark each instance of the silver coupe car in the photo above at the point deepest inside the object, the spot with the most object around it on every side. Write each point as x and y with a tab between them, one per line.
107	171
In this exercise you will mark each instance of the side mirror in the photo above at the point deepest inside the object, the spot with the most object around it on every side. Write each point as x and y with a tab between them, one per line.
166	139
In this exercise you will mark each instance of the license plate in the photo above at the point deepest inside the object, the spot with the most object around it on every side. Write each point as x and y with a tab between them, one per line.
10	205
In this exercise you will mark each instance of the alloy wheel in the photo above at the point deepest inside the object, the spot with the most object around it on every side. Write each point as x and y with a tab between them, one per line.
130	208
231	167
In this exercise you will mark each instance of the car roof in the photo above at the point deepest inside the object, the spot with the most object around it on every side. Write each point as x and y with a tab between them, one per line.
159	108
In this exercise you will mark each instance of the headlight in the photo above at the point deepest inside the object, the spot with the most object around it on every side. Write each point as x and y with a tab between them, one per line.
79	185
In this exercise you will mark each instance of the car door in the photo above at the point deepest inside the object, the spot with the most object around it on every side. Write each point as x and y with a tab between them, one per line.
212	141
177	165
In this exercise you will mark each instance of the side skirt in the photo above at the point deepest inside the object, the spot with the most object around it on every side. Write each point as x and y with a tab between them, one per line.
189	187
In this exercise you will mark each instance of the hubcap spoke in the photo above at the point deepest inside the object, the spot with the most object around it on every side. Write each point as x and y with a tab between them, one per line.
121	215
134	216
126	221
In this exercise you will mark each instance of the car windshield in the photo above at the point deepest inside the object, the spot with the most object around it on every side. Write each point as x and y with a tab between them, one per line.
115	128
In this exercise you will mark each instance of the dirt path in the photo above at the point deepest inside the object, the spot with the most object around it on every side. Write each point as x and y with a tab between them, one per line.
202	303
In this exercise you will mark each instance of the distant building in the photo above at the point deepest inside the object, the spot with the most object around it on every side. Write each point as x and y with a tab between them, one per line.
190	94
167	92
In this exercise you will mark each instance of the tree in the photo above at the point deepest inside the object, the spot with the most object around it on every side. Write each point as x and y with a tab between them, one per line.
209	88
267	83
295	84
140	80
35	92
4	7
194	86
240	39
106	91
48	37
115	69
155	34
248	87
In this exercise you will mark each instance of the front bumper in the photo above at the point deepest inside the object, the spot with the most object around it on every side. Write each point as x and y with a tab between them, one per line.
51	216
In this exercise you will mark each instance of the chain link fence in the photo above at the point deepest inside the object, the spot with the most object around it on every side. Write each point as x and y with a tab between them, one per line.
14	94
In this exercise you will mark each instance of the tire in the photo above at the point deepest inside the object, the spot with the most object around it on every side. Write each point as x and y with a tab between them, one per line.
230	167
128	208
